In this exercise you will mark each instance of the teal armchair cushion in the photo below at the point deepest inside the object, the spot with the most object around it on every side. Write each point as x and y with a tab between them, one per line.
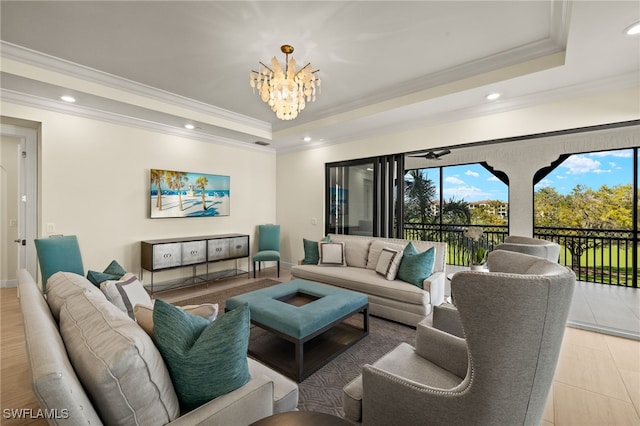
58	254
205	359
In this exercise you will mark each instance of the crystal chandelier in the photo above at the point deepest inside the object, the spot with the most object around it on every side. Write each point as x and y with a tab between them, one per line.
288	91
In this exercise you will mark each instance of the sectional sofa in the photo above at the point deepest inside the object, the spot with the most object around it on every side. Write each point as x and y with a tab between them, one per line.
361	269
92	364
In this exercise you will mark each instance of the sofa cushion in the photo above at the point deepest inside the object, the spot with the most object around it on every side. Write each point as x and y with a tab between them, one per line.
285	390
356	250
365	281
205	359
415	268
332	254
144	314
376	248
126	293
63	285
117	363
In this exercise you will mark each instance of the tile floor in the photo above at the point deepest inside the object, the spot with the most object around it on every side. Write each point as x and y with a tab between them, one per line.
607	309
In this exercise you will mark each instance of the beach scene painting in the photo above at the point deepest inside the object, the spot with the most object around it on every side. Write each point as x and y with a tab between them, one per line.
185	194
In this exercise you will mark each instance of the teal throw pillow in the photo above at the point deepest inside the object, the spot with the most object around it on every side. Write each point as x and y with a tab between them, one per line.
311	251
205	359
112	272
415	268
97	278
114	268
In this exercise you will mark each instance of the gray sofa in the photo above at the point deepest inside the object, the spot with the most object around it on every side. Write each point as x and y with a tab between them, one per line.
392	299
135	389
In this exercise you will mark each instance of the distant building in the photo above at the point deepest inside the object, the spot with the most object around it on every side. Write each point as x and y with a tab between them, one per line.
494	207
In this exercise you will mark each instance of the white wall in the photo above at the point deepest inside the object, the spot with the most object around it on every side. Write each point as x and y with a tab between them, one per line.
94	183
301	174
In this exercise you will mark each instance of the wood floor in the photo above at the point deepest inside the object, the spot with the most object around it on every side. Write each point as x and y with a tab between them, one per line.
597	380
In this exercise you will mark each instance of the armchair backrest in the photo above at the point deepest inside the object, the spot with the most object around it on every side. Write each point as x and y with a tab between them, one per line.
513	319
269	237
532	246
58	254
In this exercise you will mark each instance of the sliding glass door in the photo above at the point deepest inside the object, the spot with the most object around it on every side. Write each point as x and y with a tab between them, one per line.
361	196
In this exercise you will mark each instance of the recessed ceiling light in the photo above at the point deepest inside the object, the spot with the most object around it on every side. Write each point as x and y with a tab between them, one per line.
307	139
68	98
189	126
493	96
633	29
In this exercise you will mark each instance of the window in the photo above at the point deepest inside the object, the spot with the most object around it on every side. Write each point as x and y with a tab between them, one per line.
585	202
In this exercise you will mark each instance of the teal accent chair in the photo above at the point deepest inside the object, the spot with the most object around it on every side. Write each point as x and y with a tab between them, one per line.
57	254
268	246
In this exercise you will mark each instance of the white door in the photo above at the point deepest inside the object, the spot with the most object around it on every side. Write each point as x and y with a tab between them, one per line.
19	208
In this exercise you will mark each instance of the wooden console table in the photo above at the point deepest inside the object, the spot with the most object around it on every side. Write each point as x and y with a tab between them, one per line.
171	253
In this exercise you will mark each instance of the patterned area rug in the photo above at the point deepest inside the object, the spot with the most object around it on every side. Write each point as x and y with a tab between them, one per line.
322	391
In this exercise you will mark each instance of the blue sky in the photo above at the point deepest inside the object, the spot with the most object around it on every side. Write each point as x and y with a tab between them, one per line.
472	182
593	170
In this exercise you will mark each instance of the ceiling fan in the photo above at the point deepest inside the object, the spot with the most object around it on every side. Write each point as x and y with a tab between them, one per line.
432	155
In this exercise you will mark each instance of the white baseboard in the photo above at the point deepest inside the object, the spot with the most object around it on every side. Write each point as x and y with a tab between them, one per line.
8	283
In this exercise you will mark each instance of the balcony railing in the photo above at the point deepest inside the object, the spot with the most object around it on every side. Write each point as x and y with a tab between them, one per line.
603	256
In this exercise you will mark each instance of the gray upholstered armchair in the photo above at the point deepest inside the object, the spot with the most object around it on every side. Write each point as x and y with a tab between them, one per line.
533	246
500	373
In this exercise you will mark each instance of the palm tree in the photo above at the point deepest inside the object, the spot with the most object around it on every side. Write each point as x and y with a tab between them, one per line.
157	177
202	183
177	181
420	193
456	211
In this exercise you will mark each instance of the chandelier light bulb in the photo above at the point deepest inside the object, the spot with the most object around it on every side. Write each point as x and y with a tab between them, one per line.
285	91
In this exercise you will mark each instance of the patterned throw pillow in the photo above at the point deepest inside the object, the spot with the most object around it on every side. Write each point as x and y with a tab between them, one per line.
332	254
417	267
205	359
126	293
388	263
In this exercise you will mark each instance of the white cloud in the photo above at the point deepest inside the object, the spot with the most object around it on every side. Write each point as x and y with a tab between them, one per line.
472	173
466	192
598	171
493	179
545	183
578	164
454	180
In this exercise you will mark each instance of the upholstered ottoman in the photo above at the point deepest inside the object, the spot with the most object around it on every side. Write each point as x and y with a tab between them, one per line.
299	312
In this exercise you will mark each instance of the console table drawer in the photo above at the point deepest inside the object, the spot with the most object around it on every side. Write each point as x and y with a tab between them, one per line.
167	255
218	249
194	252
239	247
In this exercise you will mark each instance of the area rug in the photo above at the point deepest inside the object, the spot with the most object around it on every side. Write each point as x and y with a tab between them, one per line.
322	391
220	296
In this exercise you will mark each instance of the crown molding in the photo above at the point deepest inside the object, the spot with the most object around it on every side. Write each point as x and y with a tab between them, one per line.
51	63
11	96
